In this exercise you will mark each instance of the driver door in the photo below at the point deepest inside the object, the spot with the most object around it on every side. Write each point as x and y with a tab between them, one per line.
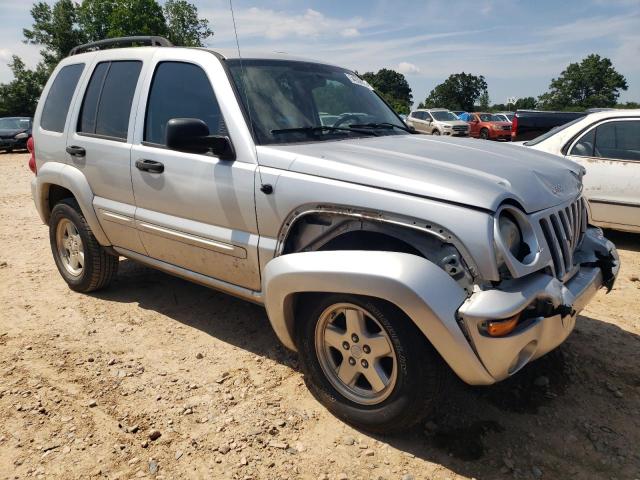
194	211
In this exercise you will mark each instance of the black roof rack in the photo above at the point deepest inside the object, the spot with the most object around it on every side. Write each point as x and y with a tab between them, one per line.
150	40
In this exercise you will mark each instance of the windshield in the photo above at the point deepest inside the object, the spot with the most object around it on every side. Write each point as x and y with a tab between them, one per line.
551	132
14	123
444	116
280	95
488	117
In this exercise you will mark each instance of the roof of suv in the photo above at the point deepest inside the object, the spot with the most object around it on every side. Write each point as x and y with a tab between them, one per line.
229	54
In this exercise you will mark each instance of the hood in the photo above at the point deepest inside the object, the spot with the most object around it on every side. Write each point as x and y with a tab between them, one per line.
501	123
11	132
480	174
452	122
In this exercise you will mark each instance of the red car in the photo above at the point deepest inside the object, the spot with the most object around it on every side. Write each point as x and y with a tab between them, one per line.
488	127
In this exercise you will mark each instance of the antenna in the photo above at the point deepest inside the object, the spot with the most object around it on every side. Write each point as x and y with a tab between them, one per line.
264	188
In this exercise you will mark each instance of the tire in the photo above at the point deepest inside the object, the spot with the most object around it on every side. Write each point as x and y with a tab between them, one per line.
484	134
413	391
435	132
85	265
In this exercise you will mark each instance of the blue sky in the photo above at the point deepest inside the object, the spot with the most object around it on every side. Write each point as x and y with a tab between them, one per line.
519	46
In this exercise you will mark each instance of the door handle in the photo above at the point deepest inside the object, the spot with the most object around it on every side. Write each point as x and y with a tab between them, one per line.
150	166
76	151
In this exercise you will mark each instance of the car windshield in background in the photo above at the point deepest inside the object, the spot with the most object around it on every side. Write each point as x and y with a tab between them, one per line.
551	132
14	123
487	117
443	116
292	101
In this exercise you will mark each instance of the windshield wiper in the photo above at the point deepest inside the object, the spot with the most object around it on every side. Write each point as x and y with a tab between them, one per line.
318	129
385	125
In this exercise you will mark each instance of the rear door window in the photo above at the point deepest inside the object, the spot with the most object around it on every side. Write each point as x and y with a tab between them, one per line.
107	102
618	140
180	90
56	106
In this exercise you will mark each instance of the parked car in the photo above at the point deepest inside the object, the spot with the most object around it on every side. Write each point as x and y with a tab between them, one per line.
14	133
607	144
505	116
386	259
528	124
488	127
437	121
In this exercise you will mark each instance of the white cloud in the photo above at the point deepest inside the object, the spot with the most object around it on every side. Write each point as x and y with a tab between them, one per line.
256	22
5	55
350	32
407	68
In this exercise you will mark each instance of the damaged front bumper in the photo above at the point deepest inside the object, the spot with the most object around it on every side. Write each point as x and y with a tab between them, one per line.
546	308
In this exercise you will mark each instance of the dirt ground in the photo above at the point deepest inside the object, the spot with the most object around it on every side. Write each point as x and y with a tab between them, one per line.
87	382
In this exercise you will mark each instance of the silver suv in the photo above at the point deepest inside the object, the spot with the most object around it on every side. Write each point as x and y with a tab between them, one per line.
388	260
438	121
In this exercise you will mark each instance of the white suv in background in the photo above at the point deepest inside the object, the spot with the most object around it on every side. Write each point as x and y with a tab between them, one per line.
438	121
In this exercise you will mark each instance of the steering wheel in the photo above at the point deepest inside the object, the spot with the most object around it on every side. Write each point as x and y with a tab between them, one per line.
340	121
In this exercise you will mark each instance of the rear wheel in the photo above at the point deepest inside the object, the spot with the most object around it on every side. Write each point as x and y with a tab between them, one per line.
368	363
83	263
484	134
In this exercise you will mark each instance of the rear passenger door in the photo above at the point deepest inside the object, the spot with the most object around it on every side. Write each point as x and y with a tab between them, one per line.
198	213
610	151
99	145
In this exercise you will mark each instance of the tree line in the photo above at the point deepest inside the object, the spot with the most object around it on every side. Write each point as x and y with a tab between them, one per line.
591	83
57	28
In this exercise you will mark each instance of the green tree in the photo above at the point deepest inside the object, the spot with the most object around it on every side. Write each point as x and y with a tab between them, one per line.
183	25
484	101
136	17
633	105
393	87
20	96
65	24
458	92
95	18
526	103
592	83
56	29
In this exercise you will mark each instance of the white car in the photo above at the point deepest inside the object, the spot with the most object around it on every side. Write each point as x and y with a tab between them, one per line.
505	116
607	144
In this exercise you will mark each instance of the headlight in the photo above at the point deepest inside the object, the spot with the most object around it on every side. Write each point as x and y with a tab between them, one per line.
515	240
447	126
510	233
495	127
22	135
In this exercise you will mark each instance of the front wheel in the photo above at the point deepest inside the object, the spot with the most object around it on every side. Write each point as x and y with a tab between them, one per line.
484	134
435	132
368	363
83	263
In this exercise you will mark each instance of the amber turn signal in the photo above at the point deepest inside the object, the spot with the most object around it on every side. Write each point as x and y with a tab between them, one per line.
500	328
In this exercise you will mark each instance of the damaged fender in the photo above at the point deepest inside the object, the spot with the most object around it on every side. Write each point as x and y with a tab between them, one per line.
423	291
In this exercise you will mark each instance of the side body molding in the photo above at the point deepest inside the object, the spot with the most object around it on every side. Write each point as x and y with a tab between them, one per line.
69	177
428	296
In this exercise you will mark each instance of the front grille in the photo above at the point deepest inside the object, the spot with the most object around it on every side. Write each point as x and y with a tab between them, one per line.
506	127
563	231
459	128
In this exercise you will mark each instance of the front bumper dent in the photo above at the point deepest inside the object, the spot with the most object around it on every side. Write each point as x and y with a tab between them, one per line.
503	356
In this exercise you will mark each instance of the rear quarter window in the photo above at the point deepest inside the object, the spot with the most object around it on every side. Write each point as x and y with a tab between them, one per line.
107	102
56	106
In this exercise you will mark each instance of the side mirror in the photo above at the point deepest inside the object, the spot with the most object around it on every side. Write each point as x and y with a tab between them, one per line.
191	135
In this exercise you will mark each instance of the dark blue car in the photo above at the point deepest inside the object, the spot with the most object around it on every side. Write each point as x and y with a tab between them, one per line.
14	132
